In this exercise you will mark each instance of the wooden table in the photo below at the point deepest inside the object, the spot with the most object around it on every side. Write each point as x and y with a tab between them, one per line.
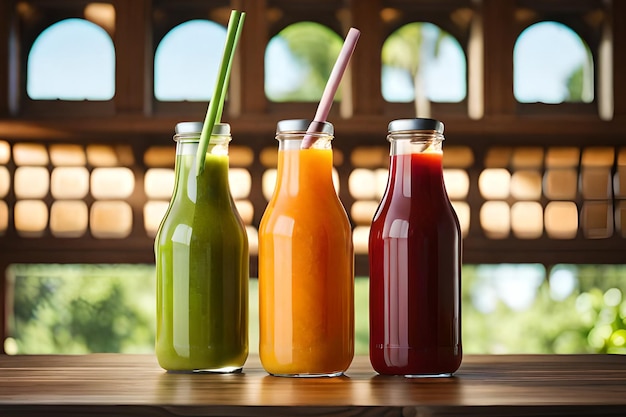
134	385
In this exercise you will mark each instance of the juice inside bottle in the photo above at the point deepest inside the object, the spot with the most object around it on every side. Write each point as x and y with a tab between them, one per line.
415	266
202	269
306	281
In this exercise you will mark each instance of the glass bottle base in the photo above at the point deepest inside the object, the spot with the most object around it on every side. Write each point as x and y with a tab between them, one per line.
225	370
309	375
442	375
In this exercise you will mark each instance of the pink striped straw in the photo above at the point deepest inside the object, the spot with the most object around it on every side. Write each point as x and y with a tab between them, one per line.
333	83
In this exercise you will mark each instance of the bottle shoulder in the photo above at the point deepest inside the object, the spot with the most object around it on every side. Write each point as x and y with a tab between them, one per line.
325	212
415	212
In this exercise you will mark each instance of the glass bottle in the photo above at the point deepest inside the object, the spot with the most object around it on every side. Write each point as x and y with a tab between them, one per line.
306	262
415	260
202	263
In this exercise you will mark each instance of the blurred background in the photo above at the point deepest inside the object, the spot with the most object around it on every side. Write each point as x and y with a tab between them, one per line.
532	94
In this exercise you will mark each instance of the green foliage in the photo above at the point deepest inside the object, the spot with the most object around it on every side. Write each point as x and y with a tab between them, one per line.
316	48
403	48
361	316
409	45
579	83
111	308
591	318
575	85
83	308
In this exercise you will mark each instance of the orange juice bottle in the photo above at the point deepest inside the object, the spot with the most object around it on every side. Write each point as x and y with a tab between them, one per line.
306	262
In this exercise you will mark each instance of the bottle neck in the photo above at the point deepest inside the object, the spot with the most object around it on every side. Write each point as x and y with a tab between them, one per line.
304	170
213	181
416	167
415	142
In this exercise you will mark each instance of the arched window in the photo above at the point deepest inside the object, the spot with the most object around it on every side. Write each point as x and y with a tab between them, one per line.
298	62
72	59
552	64
187	60
423	62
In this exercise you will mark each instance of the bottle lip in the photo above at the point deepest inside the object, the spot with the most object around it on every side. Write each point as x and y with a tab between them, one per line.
302	125
220	129
406	125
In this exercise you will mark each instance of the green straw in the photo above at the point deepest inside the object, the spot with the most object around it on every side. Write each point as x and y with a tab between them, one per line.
230	65
216	105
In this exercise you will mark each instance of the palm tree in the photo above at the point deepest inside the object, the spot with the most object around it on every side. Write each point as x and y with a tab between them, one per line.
316	47
408	48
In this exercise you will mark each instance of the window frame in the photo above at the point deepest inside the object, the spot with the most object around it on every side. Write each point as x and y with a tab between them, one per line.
32	23
438	15
573	20
166	17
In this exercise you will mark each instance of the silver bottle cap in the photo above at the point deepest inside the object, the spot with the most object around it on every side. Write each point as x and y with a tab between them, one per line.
220	129
404	125
302	125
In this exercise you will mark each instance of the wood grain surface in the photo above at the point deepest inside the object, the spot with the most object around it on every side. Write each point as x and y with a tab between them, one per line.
489	385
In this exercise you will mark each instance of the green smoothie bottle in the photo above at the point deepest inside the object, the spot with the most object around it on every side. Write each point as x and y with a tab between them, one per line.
202	263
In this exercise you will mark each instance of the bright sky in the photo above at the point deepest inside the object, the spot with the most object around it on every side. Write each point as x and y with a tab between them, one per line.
76	58
72	59
546	56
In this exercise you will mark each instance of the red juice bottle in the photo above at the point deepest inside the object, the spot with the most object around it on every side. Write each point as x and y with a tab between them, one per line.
415	260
